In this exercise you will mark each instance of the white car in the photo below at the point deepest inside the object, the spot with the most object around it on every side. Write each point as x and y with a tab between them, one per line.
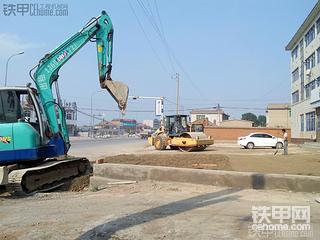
260	140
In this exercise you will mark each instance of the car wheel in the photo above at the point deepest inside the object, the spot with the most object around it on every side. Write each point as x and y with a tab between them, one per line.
250	145
279	145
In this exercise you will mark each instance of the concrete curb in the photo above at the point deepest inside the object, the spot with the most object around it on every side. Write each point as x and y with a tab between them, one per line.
251	180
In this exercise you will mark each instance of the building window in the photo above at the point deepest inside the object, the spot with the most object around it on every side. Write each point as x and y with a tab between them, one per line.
309	36
318	55
295	75
310	86
310	121
294	53
27	113
202	116
295	97
310	61
318	82
318	26
69	116
301	122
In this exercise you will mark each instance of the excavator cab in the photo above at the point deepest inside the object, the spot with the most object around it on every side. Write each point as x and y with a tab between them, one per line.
23	126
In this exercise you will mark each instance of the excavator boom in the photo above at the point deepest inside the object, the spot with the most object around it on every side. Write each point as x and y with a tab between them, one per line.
98	29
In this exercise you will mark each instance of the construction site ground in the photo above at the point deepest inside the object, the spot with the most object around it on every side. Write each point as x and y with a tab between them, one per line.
124	210
226	156
144	210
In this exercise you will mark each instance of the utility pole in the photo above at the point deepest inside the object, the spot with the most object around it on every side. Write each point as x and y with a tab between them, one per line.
91	112
177	77
218	107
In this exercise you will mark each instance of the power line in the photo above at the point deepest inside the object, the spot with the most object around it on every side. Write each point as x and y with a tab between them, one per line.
89	115
148	40
173	110
158	15
150	17
168	49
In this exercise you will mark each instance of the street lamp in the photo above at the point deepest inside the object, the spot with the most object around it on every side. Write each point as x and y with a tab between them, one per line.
91	112
156	98
7	63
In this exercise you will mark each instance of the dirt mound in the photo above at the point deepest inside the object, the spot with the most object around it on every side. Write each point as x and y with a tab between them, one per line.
189	160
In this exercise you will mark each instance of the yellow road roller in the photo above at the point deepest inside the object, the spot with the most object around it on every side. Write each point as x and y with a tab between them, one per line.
178	135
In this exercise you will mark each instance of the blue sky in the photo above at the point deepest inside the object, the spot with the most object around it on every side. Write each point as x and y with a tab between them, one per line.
228	52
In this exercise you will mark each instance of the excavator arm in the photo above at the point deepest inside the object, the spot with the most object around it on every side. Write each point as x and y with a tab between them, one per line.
98	29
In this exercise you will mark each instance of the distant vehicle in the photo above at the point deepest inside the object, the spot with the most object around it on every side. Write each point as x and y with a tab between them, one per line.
106	136
145	135
260	140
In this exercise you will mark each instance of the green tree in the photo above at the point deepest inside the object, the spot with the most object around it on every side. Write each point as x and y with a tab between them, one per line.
250	117
262	120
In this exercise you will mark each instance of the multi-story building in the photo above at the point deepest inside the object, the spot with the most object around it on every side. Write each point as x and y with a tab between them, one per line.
215	116
71	117
278	115
305	78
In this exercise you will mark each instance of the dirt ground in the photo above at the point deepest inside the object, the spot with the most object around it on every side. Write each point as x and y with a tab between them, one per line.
228	156
144	210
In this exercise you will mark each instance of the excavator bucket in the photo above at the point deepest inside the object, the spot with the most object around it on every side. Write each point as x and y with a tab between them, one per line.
119	91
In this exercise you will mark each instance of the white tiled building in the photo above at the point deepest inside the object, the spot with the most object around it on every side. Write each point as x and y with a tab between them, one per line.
216	116
305	78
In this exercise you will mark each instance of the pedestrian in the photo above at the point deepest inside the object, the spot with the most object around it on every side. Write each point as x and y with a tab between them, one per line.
285	141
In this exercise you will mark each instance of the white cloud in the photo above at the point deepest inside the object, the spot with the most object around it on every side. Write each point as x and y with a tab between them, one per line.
11	43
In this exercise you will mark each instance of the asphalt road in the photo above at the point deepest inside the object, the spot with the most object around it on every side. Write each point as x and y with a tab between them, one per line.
96	148
95	142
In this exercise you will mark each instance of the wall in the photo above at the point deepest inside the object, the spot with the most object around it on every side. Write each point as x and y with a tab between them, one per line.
278	118
229	133
237	123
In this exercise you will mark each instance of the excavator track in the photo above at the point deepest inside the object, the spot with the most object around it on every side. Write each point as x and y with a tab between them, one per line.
49	175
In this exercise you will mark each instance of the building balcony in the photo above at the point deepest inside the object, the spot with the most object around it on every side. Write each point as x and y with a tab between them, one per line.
71	122
315	97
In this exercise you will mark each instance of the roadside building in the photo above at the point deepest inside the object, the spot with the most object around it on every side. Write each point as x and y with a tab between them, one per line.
105	128
215	116
125	125
148	123
204	121
70	109
305	78
156	124
237	123
278	115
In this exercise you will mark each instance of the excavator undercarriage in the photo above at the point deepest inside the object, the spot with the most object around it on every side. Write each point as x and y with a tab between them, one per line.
50	174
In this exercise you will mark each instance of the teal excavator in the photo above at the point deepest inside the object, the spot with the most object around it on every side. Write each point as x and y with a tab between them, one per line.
34	139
